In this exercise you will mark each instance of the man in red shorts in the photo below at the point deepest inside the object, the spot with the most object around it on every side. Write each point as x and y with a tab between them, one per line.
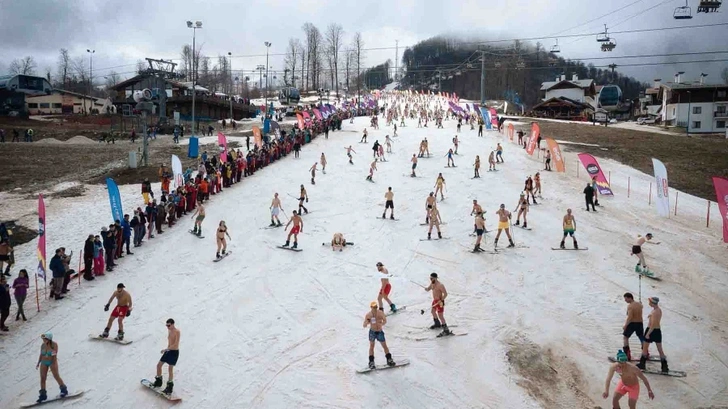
385	289
297	228
439	293
121	311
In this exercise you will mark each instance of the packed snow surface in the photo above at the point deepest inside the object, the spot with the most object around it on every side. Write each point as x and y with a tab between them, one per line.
269	328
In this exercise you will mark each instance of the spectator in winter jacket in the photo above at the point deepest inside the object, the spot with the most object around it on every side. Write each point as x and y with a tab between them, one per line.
147	191
21	285
126	233
66	260
98	256
152	217
5	251
59	272
134	225
4	302
160	218
109	240
142	225
119	234
88	258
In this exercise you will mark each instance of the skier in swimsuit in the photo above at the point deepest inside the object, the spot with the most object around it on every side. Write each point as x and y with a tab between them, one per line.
439	293
439	183
313	173
430	203
504	216
220	237
338	242
477	166
303	196
450	158
275	209
385	288
323	163
522	210
389	197
349	150
628	384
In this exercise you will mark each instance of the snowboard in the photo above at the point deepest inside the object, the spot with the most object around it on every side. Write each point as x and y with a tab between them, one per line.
100	338
676	374
452	334
449	167
652	276
427	224
329	243
289	248
484	232
222	256
272	227
159	391
403	362
387	218
195	234
650	359
70	395
525	228
433	239
492	170
582	248
396	312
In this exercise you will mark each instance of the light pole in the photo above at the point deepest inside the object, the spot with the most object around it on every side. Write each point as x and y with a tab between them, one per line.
194	26
230	55
90	77
267	48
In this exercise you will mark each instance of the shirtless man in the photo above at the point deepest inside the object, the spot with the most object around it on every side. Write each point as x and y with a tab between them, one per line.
170	355
349	150
569	224
338	242
528	188
633	324
297	228
499	153
375	320
430	203
547	159
434	222
628	385
522	207
439	293
450	158
388	142
637	251
491	162
121	311
372	168
439	183
323	163
364	137
477	166
313	173
220	237
199	216
479	229
456	142
537	181
504	217
275	209
653	333
476	209
414	165
303	196
389	197
427	147
385	288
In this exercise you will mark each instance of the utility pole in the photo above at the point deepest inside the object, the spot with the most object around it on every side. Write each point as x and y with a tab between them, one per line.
396	59
90	79
482	77
260	69
267	83
230	55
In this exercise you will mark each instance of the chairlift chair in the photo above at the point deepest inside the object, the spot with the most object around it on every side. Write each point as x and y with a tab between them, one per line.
709	6
603	37
555	48
683	12
520	65
609	45
497	64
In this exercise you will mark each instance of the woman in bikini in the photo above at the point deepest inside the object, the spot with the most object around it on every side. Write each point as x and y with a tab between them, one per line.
221	242
439	183
48	359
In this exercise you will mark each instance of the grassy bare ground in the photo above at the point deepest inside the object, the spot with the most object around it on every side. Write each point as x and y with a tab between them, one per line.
690	162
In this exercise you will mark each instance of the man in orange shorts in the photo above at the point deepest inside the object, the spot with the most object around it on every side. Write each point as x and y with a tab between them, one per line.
297	228
385	289
629	384
439	293
121	311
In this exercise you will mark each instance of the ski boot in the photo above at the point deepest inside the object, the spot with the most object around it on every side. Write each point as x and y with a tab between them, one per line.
517	223
562	246
194	230
664	367
511	245
393	308
168	389
627	352
439	235
279	224
534	201
217	256
429	236
295	245
371	362
637	268
384	215
288	243
199	232
390	361
436	324
272	223
445	331
42	396
525	225
647	272
64	391
576	245
223	253
391	216
157	381
119	336
105	334
643	361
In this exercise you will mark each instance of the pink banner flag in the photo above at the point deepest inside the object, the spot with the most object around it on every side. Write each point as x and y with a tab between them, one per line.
721	191
222	141
317	113
533	141
41	272
592	168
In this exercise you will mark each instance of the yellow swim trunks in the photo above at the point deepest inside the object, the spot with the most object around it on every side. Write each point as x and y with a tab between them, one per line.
503	225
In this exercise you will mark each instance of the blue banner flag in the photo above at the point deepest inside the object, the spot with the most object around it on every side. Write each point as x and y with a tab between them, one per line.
114	199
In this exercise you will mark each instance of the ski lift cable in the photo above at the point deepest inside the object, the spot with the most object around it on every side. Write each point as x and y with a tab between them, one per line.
599	18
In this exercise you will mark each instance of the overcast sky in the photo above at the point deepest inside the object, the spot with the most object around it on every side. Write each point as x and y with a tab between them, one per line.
122	33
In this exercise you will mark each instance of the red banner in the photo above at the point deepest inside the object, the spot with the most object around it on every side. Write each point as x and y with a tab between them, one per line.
306	118
258	135
494	117
533	141
300	121
511	131
556	156
317	113
721	192
592	168
41	238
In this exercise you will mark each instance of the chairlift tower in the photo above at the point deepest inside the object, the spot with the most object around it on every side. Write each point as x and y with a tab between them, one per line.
162	70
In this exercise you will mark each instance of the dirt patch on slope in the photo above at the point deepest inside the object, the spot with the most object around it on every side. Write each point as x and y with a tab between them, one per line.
554	381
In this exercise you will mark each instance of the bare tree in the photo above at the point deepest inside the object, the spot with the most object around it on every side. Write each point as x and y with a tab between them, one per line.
80	70
112	79
357	46
64	68
186	55
303	67
348	54
313	53
23	66
724	75
141	66
334	38
293	52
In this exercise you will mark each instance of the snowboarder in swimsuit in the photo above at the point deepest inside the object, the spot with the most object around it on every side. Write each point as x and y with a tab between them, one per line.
297	228
170	355
220	237
569	224
385	288
199	216
122	310
303	196
628	384
375	320
48	360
